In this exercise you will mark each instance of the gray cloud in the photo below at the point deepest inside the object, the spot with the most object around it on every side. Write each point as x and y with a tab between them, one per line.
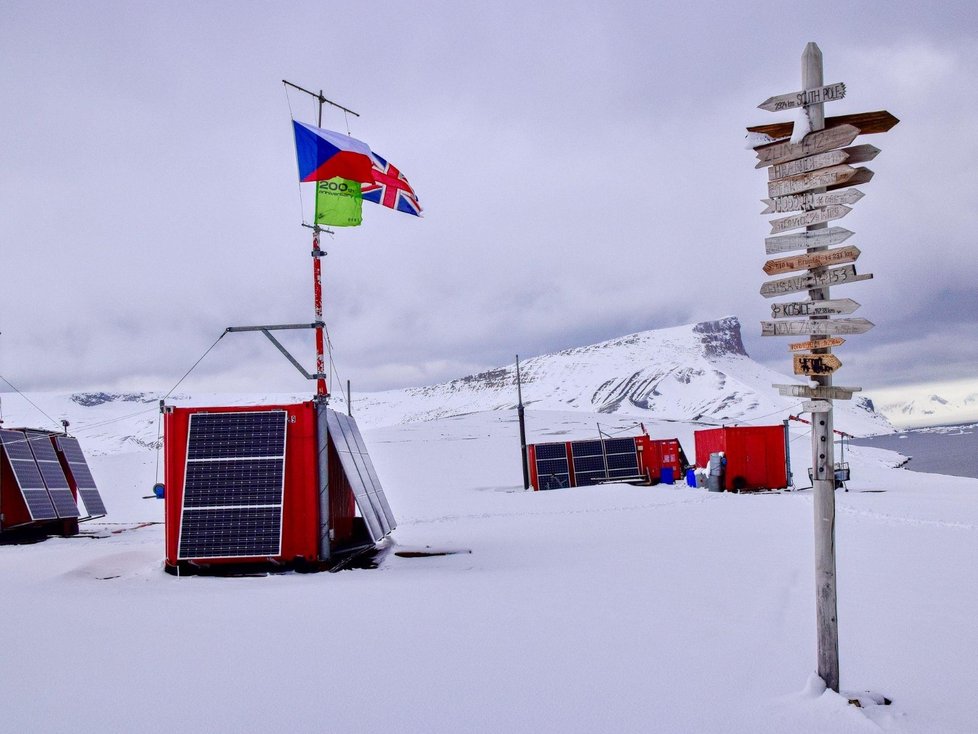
582	170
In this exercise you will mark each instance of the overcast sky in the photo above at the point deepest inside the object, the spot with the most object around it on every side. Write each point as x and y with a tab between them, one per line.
582	167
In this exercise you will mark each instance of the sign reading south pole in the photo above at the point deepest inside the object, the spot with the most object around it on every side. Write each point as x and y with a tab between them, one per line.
805	98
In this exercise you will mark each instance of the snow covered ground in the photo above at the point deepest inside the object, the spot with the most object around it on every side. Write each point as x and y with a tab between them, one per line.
614	608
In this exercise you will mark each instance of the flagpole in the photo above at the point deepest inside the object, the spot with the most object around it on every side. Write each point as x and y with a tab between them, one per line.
322	389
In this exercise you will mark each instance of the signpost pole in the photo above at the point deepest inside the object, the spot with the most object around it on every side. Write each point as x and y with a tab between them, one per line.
521	414
823	461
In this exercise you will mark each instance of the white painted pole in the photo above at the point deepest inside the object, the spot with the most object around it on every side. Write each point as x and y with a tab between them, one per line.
823	461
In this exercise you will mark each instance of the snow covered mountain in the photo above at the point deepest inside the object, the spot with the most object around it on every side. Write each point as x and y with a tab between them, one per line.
931	410
698	372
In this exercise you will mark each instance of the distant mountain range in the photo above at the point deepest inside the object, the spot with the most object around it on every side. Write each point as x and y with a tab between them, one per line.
931	410
698	372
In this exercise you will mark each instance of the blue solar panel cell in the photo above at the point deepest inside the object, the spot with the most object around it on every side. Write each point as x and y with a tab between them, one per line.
551	451
81	474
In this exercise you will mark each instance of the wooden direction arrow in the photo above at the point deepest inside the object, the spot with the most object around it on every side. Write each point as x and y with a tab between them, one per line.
808	281
808	200
869	123
863	175
816	364
861	153
821	328
816	142
832	341
833	392
820	259
806	219
820	179
816	406
805	240
809	163
828	93
834	307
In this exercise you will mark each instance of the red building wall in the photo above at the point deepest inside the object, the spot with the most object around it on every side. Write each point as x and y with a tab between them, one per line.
755	455
300	510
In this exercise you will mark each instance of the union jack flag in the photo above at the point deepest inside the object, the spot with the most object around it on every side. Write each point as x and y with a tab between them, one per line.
390	188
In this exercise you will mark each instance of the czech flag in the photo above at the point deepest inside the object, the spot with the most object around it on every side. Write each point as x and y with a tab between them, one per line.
324	154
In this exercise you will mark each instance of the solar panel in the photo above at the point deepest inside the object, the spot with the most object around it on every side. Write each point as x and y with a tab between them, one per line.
359	469
552	467
81	474
52	474
618	458
27	475
234	485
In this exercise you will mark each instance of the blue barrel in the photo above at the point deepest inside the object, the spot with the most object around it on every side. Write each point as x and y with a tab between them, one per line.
666	477
691	477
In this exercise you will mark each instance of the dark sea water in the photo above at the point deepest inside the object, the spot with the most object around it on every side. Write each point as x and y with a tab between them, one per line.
936	450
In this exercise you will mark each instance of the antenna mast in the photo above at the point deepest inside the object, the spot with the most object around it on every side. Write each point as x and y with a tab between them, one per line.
317	272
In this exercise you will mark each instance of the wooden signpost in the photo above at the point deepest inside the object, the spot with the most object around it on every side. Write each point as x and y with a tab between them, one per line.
816	406
806	240
868	123
831	392
836	307
818	259
812	344
805	98
804	202
810	163
807	219
810	281
821	178
821	327
815	142
815	177
816	364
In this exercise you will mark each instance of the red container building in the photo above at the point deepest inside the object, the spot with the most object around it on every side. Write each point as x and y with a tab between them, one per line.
756	455
42	476
246	485
581	463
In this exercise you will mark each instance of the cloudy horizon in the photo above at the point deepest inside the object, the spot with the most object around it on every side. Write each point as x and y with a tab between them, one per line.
583	172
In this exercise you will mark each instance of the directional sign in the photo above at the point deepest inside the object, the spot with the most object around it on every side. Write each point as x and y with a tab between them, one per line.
819	179
834	307
817	142
868	123
833	392
821	327
828	93
808	281
832	341
863	175
810	163
816	364
807	201
816	406
806	219
820	259
861	153
805	240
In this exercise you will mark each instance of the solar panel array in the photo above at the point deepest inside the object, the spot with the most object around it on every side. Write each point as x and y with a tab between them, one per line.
553	469
618	455
359	469
82	475
53	475
28	475
234	485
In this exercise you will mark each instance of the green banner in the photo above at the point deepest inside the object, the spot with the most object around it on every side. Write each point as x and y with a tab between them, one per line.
339	203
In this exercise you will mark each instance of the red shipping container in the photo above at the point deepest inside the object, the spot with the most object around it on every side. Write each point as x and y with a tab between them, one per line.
755	455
